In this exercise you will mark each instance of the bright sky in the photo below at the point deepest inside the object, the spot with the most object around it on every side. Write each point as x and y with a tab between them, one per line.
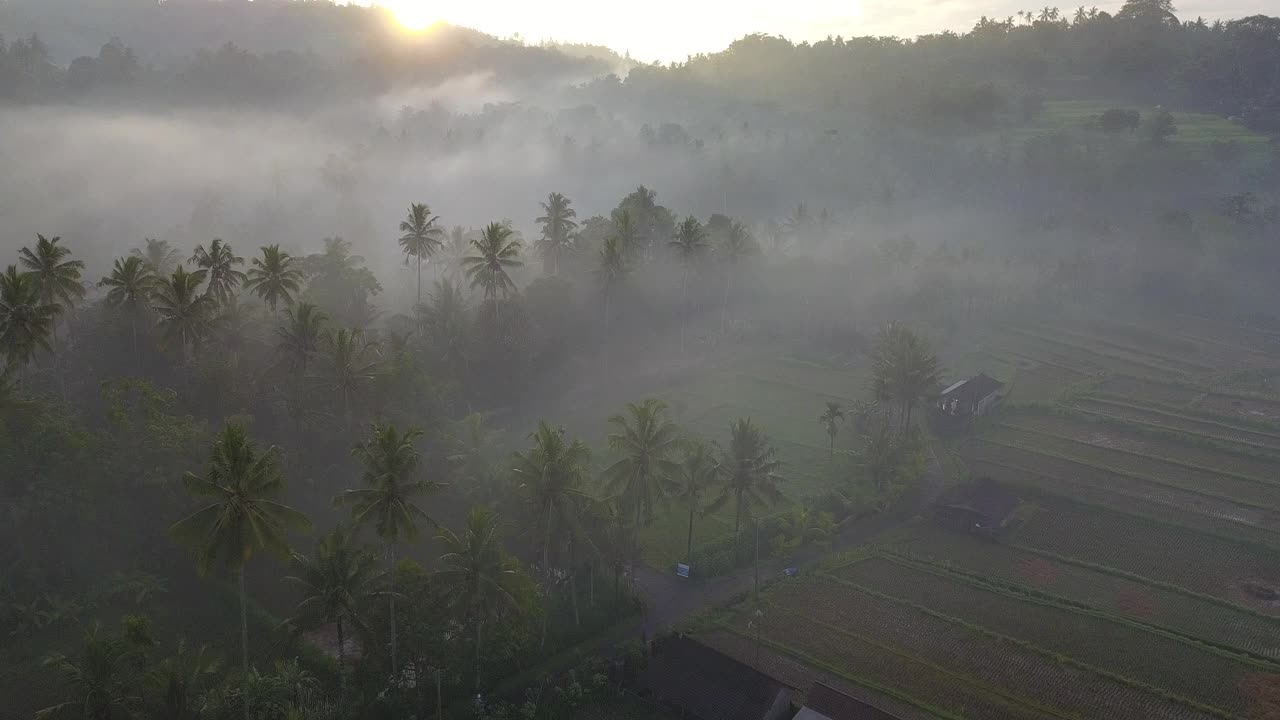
672	29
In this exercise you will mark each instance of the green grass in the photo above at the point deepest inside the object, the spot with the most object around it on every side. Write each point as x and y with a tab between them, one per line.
1193	128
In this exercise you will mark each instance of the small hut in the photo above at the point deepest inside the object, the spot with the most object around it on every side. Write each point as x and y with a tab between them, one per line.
970	398
700	683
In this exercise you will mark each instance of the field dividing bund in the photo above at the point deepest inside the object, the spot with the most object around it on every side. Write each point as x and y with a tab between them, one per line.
1173	450
1196	672
1160	419
1160	551
1088	360
784	665
1258	493
1018	466
828	613
1213	620
1172	360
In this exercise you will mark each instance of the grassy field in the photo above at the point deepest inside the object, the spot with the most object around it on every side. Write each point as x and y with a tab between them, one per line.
1193	128
1138	578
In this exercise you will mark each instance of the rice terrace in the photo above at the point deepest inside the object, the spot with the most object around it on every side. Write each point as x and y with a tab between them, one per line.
1133	576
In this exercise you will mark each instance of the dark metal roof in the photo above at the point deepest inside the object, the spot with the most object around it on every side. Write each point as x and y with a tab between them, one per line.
707	684
831	703
978	387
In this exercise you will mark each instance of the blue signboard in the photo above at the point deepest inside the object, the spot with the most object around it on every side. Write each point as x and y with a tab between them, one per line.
682	570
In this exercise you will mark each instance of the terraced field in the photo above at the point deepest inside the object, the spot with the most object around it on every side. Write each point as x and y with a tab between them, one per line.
1102	588
1138	577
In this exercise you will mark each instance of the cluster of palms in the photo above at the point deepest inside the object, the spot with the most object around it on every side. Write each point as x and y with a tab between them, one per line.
241	514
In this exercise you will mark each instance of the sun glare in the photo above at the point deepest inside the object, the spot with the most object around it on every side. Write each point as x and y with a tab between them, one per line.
413	15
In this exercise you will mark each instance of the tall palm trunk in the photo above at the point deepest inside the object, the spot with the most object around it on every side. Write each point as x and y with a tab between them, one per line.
724	309
546	573
244	647
684	307
133	325
479	624
419	283
342	666
688	551
573	579
606	332
391	598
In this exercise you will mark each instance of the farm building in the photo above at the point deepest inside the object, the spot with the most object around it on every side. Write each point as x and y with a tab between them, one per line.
697	682
826	703
970	398
983	507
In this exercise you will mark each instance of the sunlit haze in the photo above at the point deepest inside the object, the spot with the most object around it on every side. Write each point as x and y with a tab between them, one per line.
669	30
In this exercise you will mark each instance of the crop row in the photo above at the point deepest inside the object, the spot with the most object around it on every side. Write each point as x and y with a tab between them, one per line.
1160	660
1087	360
788	667
1150	391
1104	588
1182	361
1211	564
1118	436
1001	662
1180	423
864	659
1248	491
1027	467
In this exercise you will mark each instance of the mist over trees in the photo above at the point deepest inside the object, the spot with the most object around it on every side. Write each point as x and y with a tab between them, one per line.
273	266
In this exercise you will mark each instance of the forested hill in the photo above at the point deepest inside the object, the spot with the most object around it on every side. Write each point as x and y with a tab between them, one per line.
273	50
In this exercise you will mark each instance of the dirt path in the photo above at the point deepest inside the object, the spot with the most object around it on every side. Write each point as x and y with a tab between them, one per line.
670	600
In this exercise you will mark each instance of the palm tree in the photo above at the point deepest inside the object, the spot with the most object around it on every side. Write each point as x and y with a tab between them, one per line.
345	366
337	583
444	323
481	577
552	473
26	321
690	245
454	251
176	682
274	277
904	369
97	676
747	472
626	232
736	246
131	282
220	263
495	251
421	239
388	499
159	256
57	279
648	441
612	270
185	315
300	335
830	419
240	514
557	230
696	472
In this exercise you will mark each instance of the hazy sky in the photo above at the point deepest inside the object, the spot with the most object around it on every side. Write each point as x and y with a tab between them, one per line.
671	29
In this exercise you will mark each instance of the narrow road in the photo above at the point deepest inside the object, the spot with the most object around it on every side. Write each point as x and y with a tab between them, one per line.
670	600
